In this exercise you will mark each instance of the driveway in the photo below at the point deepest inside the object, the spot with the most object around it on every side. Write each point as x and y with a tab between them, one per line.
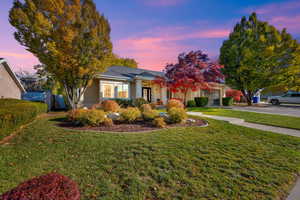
291	110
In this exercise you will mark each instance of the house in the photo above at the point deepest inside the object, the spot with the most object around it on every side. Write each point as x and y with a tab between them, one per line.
132	83
10	86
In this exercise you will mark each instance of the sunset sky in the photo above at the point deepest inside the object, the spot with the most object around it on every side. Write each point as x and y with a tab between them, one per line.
154	32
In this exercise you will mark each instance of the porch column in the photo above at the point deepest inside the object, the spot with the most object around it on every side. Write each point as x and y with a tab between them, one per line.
221	96
164	97
138	88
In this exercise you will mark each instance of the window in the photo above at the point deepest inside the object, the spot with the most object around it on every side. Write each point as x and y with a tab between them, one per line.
113	89
296	95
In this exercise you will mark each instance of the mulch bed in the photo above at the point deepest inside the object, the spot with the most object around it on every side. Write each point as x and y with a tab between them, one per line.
139	126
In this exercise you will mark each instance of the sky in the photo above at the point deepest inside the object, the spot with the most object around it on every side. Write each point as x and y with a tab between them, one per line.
154	32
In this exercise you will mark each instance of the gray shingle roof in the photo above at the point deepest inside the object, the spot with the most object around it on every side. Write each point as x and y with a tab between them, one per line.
129	73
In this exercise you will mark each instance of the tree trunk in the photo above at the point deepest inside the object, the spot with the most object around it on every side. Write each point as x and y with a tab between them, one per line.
248	95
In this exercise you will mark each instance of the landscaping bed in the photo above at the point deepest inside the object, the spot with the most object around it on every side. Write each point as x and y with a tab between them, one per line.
137	126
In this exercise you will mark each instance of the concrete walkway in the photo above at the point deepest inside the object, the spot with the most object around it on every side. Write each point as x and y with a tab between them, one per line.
241	122
295	192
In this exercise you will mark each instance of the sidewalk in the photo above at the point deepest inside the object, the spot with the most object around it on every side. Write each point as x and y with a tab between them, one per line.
241	122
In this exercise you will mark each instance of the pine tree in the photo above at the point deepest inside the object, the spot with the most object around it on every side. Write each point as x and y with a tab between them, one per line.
258	56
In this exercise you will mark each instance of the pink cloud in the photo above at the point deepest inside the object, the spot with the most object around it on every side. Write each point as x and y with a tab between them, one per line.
162	3
20	61
163	45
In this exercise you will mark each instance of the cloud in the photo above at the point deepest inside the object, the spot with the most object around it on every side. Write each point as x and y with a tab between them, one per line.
162	3
20	61
16	55
162	45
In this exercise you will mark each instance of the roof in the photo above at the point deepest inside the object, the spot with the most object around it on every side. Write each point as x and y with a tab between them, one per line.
11	73
128	73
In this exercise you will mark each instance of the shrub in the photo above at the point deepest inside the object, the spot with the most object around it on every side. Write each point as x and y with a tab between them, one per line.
145	107
108	122
235	94
191	103
124	103
110	106
139	101
83	117
45	187
227	101
159	122
201	101
97	106
149	115
15	113
174	103
130	114
177	115
153	105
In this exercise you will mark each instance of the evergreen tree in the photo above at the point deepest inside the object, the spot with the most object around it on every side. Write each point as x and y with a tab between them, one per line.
257	56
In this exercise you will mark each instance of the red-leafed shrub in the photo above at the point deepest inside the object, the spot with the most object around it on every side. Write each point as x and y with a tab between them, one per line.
235	94
51	186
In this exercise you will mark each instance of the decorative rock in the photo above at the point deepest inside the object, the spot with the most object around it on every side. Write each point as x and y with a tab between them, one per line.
190	121
85	108
164	115
113	116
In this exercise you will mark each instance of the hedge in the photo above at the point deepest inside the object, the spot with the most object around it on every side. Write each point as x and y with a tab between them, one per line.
201	101
227	101
15	113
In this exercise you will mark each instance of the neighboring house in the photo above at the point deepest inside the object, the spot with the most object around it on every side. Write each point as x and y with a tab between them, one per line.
10	86
132	83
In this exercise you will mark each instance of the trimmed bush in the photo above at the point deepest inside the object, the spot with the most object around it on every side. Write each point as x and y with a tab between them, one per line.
159	122
227	101
191	103
108	122
174	103
124	103
153	105
83	117
15	113
201	101
110	106
149	115
139	102
130	114
46	187
145	107
177	115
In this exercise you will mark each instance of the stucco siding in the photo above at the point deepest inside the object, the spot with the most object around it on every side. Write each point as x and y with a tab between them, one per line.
91	95
8	87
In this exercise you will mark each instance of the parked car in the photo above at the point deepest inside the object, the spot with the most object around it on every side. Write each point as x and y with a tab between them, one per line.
292	98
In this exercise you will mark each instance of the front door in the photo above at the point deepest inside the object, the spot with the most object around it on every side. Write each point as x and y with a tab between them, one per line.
146	93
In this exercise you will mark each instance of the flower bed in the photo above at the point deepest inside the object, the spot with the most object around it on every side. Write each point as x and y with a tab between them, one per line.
131	119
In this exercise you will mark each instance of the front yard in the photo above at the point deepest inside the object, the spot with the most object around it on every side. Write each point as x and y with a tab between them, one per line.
260	118
221	161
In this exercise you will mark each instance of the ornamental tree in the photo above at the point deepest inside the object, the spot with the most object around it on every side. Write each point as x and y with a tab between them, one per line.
193	71
235	94
257	55
69	37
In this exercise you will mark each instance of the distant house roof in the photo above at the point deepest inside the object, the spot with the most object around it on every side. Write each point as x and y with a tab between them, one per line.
128	73
5	64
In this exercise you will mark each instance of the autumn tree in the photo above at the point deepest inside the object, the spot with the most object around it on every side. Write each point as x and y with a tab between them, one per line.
69	37
127	62
193	71
257	55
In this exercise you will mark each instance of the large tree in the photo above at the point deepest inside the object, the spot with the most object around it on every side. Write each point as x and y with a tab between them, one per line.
193	71
69	37
127	62
258	56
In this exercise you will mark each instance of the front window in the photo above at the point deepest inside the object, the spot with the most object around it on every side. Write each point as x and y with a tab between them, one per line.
113	89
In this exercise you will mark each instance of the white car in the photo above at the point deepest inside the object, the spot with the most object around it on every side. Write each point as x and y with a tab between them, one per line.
291	98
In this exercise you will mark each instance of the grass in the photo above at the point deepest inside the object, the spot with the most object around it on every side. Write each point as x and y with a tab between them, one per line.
221	161
260	118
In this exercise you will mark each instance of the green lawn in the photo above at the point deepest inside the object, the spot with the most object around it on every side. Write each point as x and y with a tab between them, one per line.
221	161
260	118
